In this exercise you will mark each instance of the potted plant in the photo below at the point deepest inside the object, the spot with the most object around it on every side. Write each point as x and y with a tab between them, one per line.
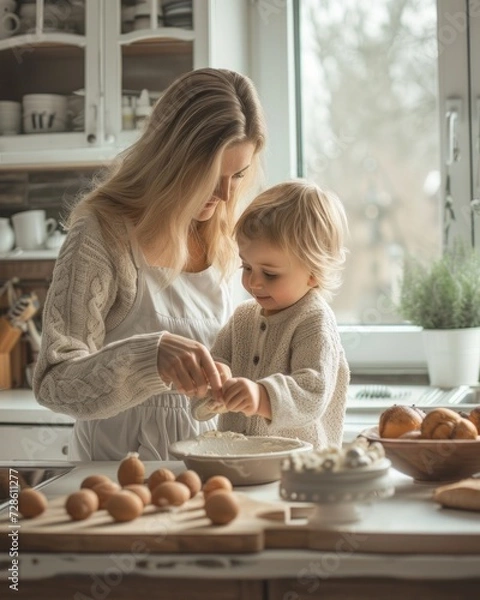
443	298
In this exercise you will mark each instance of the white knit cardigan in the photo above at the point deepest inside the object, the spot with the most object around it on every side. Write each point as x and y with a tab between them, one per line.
297	355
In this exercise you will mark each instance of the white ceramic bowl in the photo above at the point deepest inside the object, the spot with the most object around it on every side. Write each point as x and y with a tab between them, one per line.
245	460
44	99
44	113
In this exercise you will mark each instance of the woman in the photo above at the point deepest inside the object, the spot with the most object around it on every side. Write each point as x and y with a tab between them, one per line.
140	287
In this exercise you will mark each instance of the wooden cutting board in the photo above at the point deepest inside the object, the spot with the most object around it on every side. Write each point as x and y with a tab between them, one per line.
185	529
259	526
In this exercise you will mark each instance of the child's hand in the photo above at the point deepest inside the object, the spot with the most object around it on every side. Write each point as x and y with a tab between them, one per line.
242	395
225	374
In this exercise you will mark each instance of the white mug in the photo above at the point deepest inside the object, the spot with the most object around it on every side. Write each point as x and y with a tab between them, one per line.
32	229
9	23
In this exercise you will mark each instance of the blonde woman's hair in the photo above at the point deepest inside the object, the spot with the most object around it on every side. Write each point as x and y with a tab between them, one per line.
306	222
162	181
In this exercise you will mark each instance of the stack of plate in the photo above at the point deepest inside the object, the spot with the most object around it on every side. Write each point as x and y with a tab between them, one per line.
75	113
178	13
10	117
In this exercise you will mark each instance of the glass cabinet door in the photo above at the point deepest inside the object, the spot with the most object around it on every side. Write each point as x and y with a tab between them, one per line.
148	44
78	77
49	83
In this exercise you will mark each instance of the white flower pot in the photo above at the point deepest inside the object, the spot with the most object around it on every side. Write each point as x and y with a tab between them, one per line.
453	356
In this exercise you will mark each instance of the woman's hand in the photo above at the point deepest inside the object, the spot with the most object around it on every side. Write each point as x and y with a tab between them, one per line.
187	365
243	395
224	371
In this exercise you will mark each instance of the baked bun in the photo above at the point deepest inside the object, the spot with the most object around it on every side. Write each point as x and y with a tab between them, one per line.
474	417
465	430
399	420
446	424
415	434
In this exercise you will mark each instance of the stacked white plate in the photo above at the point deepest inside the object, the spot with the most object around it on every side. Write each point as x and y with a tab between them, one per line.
178	13
10	117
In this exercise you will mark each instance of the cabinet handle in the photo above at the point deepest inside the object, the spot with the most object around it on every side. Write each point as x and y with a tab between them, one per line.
65	450
92	137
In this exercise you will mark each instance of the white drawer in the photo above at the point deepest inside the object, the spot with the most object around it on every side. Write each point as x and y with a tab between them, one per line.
34	442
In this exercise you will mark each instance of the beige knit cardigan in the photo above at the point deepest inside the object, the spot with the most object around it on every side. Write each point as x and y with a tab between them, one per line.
297	355
93	288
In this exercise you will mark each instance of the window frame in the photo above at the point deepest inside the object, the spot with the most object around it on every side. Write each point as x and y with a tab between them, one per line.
372	348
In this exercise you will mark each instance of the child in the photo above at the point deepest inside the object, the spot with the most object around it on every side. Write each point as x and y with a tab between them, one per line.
289	372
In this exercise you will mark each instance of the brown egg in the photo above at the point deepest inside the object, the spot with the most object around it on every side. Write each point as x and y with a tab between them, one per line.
125	505
104	490
170	493
142	492
192	480
474	417
81	504
398	419
217	482
92	480
160	476
131	470
221	507
31	503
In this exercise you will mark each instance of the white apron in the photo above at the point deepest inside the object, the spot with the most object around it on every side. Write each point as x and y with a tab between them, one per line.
195	305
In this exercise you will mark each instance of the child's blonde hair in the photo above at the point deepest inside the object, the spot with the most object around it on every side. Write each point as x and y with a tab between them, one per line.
305	221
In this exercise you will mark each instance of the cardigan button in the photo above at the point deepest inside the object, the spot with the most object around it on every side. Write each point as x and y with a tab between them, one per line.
263	326
255	360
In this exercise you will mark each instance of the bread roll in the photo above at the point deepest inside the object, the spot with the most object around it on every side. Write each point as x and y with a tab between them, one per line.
439	424
463	494
398	420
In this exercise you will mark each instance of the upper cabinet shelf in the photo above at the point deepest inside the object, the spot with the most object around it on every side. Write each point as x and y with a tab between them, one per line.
163	34
31	41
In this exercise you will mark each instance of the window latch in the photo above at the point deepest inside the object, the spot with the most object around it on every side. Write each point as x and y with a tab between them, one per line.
453	110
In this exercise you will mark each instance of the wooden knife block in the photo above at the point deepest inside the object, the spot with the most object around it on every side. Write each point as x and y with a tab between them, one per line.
5	372
9	337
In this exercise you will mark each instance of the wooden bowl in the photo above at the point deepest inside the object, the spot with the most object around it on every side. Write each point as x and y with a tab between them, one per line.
430	460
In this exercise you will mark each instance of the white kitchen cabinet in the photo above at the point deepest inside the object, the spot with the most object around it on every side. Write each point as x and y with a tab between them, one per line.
29	431
34	442
106	64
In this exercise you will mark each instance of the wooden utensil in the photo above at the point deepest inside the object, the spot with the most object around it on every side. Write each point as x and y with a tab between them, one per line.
11	328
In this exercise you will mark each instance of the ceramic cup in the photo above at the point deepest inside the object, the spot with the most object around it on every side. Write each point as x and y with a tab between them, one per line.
9	21
7	237
32	229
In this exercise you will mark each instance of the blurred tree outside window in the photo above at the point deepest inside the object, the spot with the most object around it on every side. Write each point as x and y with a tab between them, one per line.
371	133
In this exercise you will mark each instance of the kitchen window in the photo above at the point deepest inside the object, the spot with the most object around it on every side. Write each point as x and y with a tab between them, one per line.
380	102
